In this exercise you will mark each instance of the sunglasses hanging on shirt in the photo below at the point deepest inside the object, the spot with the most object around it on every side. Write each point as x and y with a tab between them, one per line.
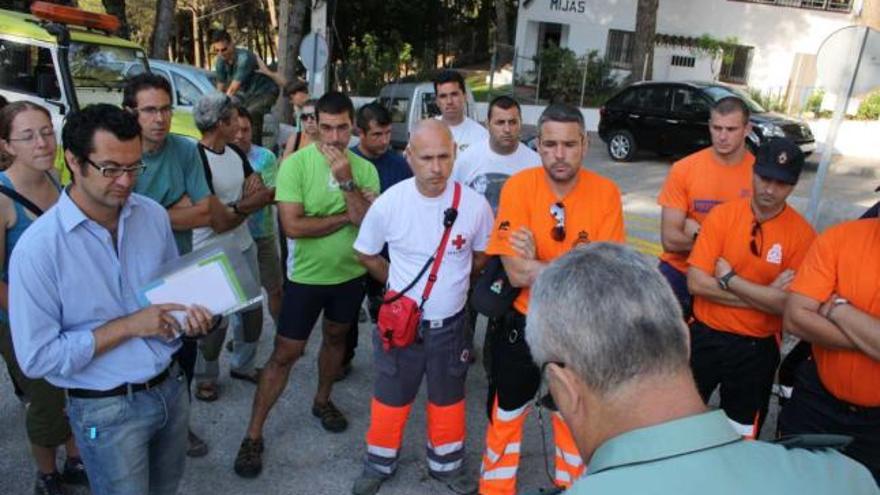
557	211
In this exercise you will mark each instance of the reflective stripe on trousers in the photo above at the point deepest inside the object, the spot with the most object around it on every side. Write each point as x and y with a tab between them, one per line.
569	465
501	457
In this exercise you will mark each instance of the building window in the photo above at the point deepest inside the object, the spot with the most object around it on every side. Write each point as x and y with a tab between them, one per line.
683	61
736	69
828	5
619	51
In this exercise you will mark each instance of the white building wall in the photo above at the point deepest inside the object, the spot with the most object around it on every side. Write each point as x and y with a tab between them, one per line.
776	33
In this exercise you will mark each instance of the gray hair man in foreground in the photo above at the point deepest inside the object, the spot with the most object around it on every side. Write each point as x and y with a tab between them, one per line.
618	371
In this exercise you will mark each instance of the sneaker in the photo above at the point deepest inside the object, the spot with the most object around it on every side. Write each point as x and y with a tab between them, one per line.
367	483
332	418
49	484
459	481
195	446
74	472
249	461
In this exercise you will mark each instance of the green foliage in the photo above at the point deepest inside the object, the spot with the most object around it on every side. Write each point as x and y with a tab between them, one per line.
371	64
562	76
869	109
773	102
713	46
814	102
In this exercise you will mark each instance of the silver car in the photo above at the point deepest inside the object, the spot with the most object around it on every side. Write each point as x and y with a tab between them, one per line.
187	82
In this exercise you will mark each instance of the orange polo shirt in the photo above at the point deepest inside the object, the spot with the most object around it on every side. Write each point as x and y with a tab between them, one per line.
593	212
699	182
726	233
846	260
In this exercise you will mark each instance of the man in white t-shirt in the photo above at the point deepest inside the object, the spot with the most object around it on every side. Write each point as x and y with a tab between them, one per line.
232	180
410	217
451	99
486	166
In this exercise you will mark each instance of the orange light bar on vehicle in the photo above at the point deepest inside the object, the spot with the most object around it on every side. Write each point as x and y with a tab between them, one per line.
77	17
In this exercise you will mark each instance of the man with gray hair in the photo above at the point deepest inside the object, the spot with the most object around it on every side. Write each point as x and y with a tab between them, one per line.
618	371
543	213
232	180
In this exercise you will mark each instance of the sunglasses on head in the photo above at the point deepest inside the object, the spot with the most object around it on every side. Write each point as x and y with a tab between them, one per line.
756	244
557	211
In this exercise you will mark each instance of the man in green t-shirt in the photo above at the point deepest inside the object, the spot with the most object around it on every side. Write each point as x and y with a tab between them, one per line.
238	75
323	192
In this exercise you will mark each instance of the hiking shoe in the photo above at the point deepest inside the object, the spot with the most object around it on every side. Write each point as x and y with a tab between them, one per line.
249	461
367	483
49	484
74	472
332	418
459	481
195	446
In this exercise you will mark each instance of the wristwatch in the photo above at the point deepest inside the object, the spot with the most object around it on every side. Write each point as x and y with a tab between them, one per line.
724	280
347	186
234	206
835	303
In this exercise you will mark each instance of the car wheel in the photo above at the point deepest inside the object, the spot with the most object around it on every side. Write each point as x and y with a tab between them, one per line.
621	146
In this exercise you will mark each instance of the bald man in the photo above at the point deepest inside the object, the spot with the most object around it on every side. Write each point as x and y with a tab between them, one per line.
436	230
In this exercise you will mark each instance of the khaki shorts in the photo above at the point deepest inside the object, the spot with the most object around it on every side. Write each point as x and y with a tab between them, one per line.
270	263
46	424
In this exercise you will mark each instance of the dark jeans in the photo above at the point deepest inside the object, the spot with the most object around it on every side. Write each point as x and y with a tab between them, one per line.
678	282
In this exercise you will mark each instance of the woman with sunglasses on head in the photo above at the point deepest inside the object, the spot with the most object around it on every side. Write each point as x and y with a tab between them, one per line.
308	132
27	188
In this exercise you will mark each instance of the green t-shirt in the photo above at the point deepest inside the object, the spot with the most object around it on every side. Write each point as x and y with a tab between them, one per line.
171	172
305	178
244	70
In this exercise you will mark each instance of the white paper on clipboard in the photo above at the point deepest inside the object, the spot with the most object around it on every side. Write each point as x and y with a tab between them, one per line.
211	283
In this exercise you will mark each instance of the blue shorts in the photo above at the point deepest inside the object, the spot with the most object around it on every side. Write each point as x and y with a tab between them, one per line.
303	304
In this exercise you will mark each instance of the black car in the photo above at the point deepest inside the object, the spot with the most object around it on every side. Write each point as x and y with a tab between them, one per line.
672	118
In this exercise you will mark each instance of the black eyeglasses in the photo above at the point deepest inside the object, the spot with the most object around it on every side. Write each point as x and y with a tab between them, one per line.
113	172
557	211
756	244
307	116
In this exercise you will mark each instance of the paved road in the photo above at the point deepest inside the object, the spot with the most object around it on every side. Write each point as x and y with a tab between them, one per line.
301	458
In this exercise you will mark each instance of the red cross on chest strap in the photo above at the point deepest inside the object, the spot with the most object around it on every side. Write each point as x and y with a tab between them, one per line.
458	242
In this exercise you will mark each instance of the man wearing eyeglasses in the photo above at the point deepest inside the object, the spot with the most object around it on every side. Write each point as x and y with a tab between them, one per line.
742	263
543	213
617	368
238	75
76	316
699	182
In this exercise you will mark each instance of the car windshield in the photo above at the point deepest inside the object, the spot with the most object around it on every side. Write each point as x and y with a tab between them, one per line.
718	92
99	71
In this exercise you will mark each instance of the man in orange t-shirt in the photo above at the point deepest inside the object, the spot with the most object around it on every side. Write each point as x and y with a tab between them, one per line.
835	305
543	213
744	258
695	184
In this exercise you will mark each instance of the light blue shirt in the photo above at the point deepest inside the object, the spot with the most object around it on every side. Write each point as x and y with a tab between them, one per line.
66	279
702	454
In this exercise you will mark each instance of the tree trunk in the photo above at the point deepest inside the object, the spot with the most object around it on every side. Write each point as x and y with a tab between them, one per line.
502	35
291	16
643	42
117	8
162	29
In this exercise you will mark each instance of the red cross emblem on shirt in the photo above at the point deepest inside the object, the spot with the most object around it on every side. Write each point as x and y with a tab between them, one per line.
458	242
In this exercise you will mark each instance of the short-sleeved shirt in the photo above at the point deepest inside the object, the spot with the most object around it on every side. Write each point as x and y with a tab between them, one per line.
593	213
845	260
173	171
244	70
468	133
699	182
263	161
226	173
305	178
702	454
485	171
726	233
391	166
412	225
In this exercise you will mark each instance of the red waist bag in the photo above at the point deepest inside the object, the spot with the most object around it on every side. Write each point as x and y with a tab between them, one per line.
399	315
